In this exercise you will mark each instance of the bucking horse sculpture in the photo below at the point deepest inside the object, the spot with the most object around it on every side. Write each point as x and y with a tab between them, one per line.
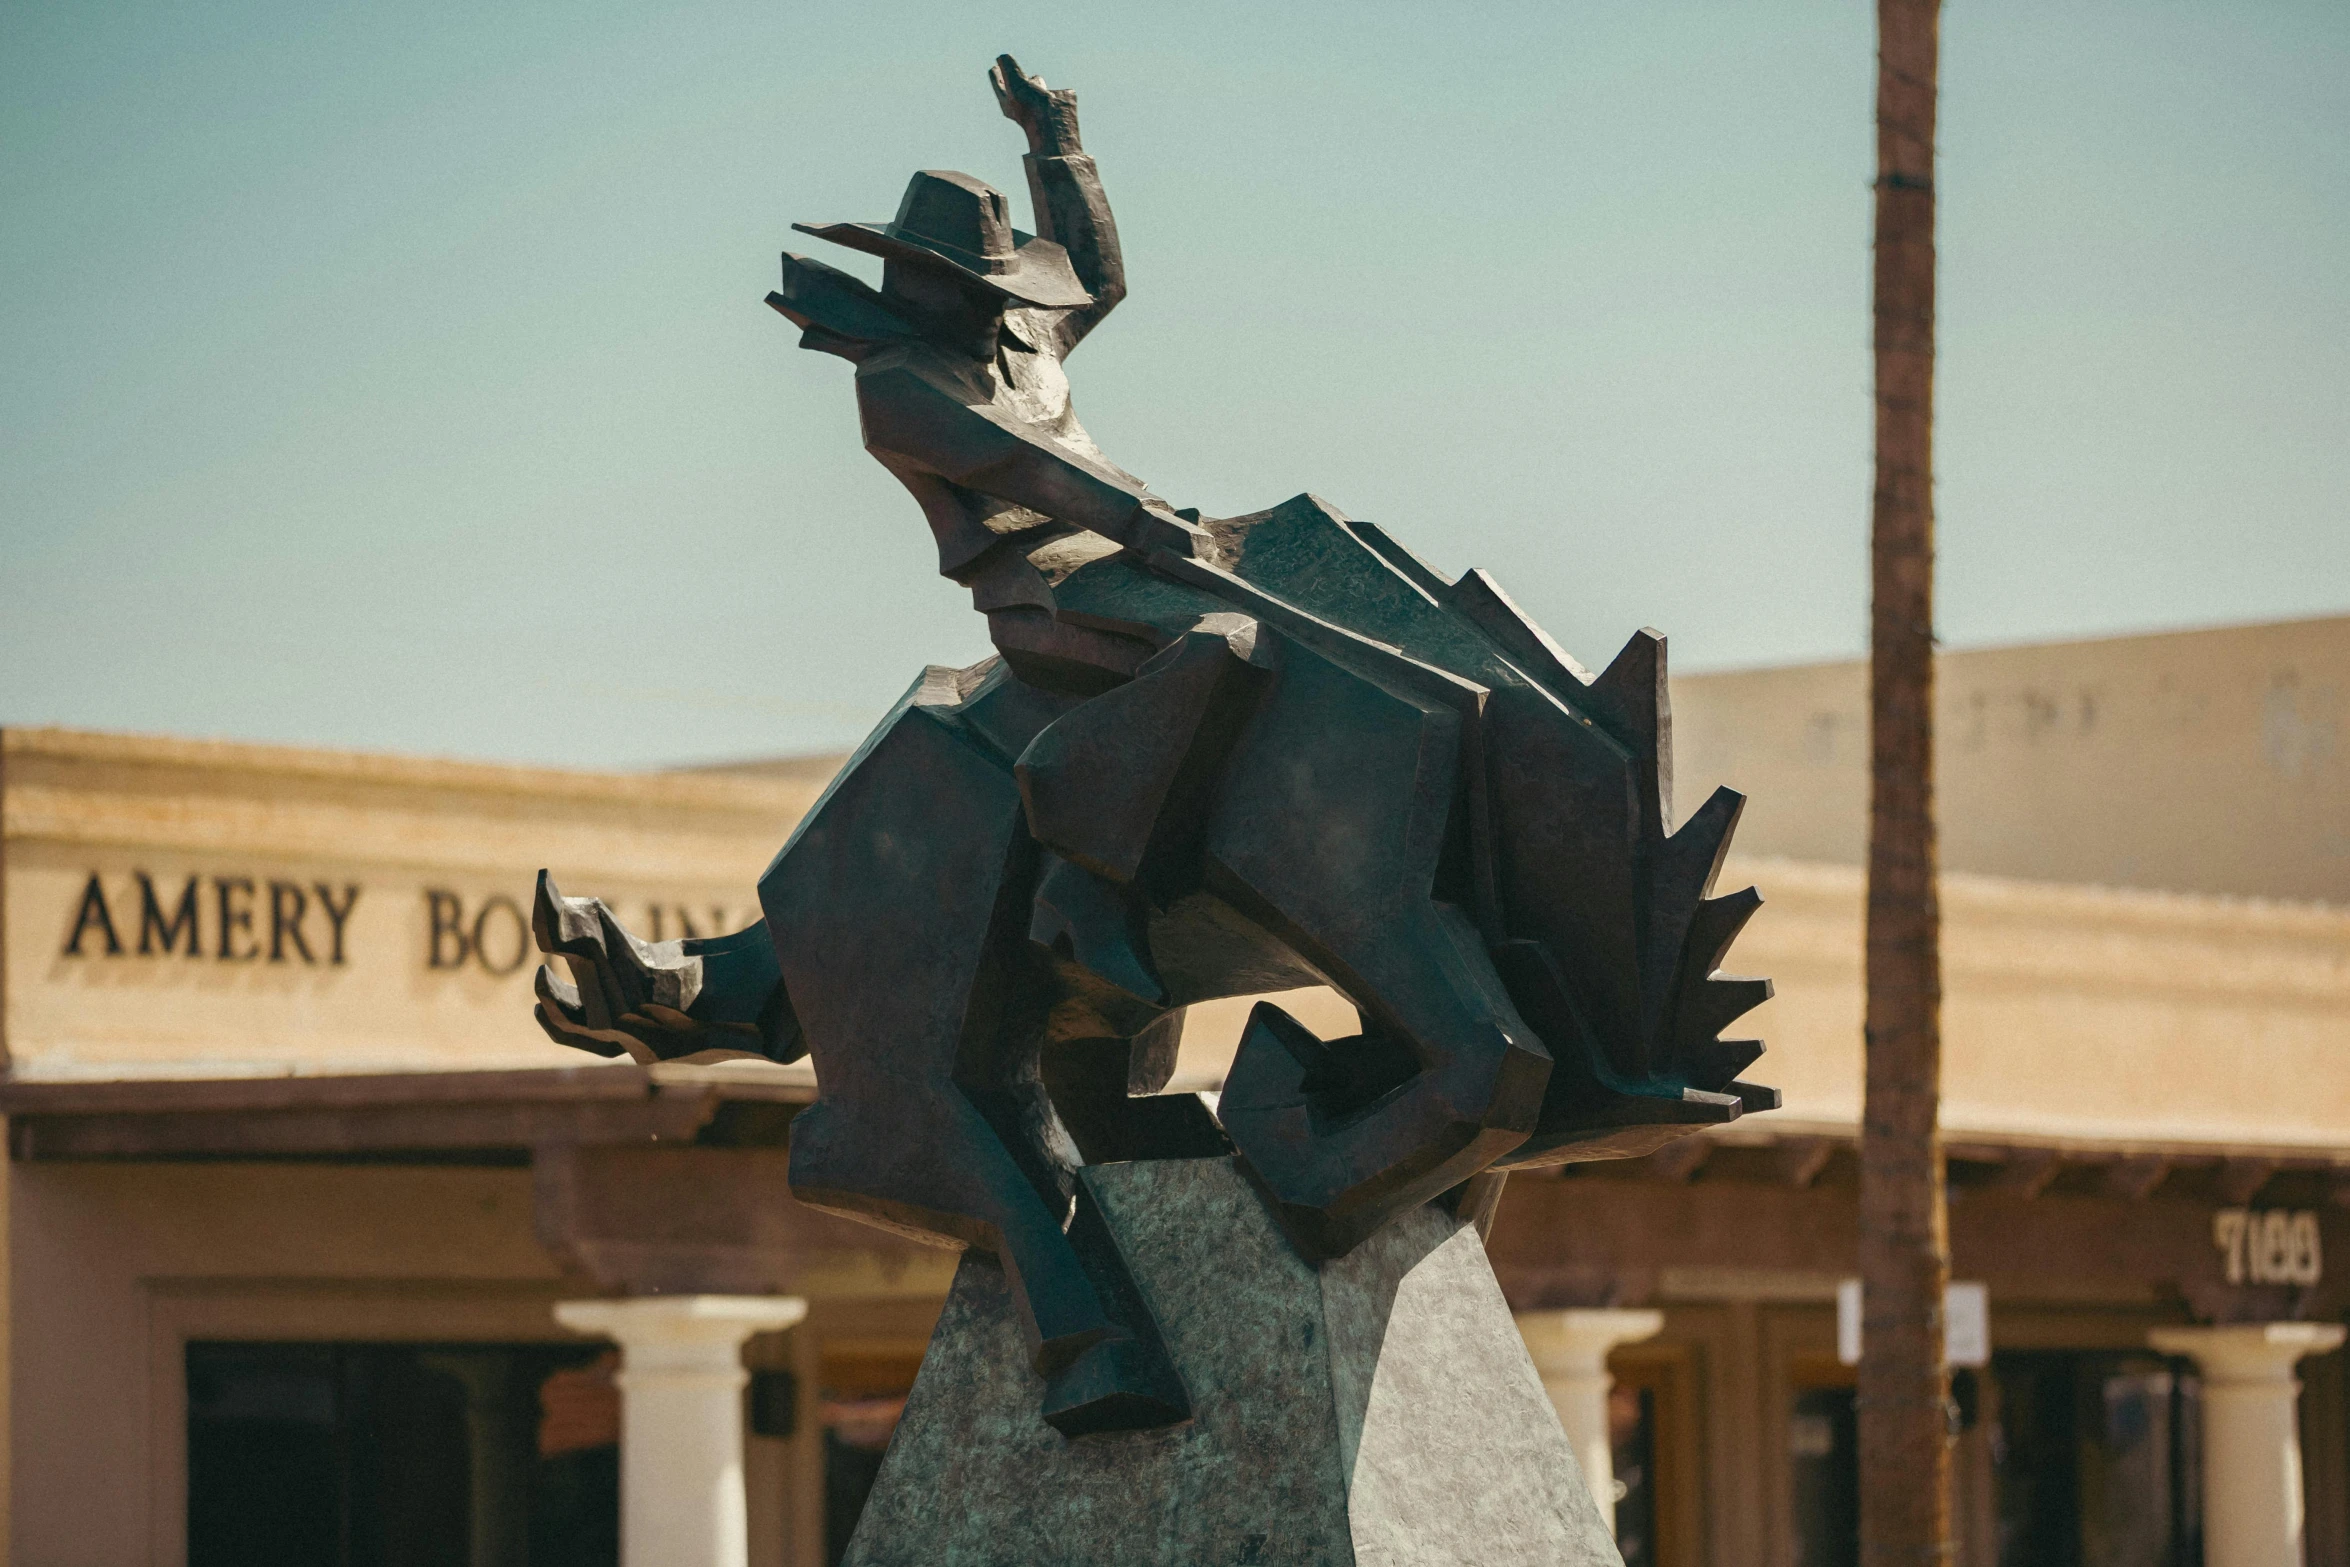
1215	757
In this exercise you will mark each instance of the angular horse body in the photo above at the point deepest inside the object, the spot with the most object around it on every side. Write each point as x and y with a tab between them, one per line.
1331	766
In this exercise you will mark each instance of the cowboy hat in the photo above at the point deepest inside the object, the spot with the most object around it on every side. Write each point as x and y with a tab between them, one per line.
965	224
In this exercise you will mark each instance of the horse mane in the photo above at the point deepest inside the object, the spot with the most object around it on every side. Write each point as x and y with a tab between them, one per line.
1353	576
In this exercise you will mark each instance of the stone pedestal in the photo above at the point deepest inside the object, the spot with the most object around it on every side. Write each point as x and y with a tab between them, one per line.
2252	1499
1379	1410
1570	1350
681	1419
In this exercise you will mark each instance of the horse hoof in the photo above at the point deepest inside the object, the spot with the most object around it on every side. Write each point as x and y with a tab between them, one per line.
1117	1385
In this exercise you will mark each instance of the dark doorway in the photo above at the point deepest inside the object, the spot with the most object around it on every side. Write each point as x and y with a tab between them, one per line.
864	1393
1823	1452
2094	1460
1631	1429
401	1455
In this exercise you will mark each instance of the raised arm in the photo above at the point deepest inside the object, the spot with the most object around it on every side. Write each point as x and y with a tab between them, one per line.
1066	188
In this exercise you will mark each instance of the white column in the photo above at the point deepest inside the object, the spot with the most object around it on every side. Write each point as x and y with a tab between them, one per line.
681	1418
1570	1350
2252	1497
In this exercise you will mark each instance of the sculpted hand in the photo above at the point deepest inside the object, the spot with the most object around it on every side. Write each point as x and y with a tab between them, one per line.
1047	114
630	996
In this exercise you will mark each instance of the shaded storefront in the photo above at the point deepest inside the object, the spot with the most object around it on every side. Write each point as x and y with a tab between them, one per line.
2077	1442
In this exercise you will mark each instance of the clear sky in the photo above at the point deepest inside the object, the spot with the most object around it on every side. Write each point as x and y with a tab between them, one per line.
397	376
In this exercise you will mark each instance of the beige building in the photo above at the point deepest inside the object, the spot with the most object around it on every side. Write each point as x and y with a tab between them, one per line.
295	1187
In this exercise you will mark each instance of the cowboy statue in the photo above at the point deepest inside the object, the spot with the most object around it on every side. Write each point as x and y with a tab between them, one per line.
1213	757
962	395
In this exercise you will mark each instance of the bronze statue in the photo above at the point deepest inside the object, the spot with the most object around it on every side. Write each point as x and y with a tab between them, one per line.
1216	756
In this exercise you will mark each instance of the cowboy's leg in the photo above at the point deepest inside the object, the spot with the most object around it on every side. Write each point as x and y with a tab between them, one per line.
1125	778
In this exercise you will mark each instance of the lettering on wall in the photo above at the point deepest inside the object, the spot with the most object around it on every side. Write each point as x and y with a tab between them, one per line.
245	920
494	934
232	917
494	937
2268	1245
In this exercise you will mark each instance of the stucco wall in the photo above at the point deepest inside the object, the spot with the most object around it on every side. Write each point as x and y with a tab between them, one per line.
2070	1013
117	1266
2199	761
428	968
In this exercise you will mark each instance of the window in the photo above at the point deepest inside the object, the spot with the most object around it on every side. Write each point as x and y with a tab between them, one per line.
1823	1451
402	1455
865	1383
2094	1460
1631	1430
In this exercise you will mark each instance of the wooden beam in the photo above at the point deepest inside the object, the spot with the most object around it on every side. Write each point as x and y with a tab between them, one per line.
1801	1159
323	1092
683	1220
1583	1236
1679	1160
374	1130
2028	1171
2240	1179
386	1115
2135	1176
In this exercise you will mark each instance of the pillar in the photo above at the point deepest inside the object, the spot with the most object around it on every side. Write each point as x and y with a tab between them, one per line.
681	1383
1570	1350
2252	1496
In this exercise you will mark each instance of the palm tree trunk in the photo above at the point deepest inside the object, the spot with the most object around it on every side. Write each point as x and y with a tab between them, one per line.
1904	1235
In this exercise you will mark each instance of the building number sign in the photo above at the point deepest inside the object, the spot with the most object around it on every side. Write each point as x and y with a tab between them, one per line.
2268	1245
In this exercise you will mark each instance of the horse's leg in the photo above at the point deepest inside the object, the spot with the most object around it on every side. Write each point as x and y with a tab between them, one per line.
1106	1093
1119	1376
1328	830
899	910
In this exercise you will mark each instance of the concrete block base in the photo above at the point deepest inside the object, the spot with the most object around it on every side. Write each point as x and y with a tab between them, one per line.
1379	1410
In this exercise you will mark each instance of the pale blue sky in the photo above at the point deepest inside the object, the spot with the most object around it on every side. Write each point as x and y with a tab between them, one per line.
396	376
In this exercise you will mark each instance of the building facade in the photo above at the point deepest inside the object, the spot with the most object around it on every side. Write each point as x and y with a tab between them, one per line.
296	1188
